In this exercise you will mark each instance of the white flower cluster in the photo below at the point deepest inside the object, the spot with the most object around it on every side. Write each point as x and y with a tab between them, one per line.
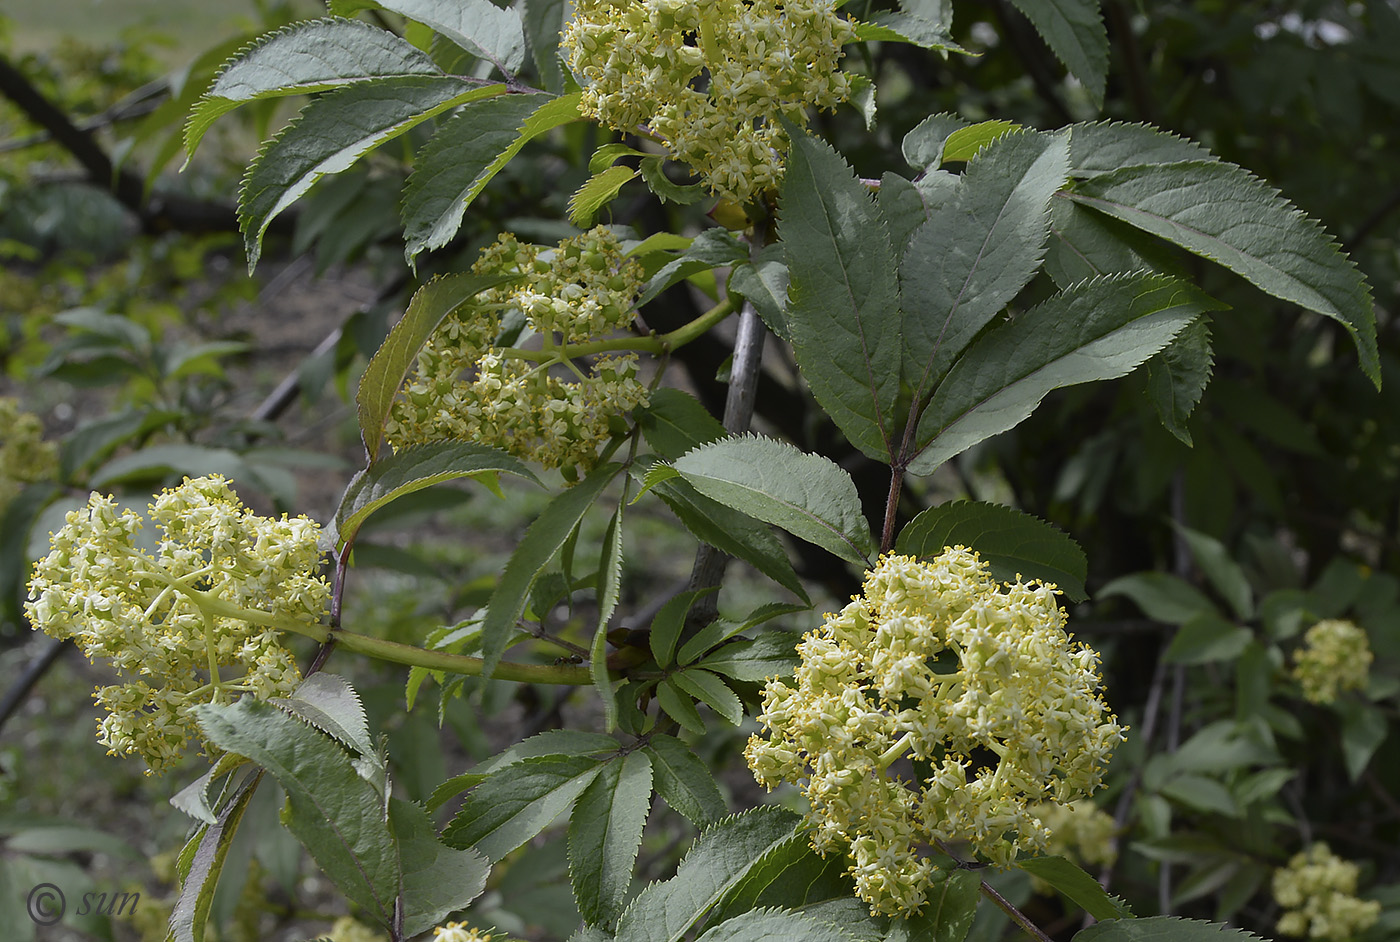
1318	890
642	62
464	387
975	681
458	932
24	455
1336	656
191	624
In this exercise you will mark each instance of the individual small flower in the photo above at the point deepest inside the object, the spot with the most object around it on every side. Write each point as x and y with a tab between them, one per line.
975	682
458	932
197	622
1318	891
711	78
466	387
1335	657
1079	830
24	455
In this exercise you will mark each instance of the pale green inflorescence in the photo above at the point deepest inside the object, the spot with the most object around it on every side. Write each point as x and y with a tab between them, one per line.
24	455
464	387
458	932
711	77
1336	656
169	623
943	663
1079	830
1318	891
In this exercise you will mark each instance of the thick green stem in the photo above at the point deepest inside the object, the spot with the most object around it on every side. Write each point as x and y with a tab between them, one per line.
653	344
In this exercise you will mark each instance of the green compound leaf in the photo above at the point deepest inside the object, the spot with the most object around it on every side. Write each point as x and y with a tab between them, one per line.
977	251
605	831
468	150
478	26
390	364
303	58
948	914
843	295
1177	377
774	925
1012	542
339	817
712	691
1224	213
1077	886
519	801
1101	329
333	132
201	863
609	589
597	193
719	859
1162	929
807	495
413	469
1074	31
437	879
684	781
545	537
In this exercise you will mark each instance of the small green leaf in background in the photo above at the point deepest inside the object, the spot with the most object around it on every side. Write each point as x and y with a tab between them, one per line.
605	831
964	143
1177	377
596	193
1077	886
1161	596
771	654
713	692
666	626
1205	638
674	422
1074	31
923	146
385	373
807	495
679	706
1014	543
437	879
1220	569
1162	929
1363	730
609	590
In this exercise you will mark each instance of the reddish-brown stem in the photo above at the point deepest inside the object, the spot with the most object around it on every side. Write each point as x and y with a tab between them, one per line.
891	508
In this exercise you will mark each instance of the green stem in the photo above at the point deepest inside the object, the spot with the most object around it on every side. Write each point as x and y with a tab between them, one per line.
653	344
895	751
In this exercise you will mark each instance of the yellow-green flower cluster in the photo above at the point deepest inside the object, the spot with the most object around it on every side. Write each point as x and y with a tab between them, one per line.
1318	890
194	623
24	455
458	932
642	63
1335	657
973	680
350	929
465	387
1079	830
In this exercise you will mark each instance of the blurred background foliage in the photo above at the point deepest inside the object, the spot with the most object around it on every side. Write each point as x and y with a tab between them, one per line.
128	324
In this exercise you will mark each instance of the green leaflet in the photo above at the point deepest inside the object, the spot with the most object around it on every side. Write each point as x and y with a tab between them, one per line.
1076	885
1085	244
304	58
843	295
1364	728
720	857
1205	638
807	495
684	781
713	692
605	831
1224	213
679	706
902	206
333	132
977	251
412	469
965	143
339	817
1014	543
202	860
1227	576
674	422
666	626
1099	330
545	537
1161	596
948	914
764	284
468	150
478	26
770	925
771	654
596	193
923	146
907	28
519	801
329	703
544	21
1101	146
436	879
790	875
1074	31
1162	929
1177	377
568	742
609	588
710	249
385	373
